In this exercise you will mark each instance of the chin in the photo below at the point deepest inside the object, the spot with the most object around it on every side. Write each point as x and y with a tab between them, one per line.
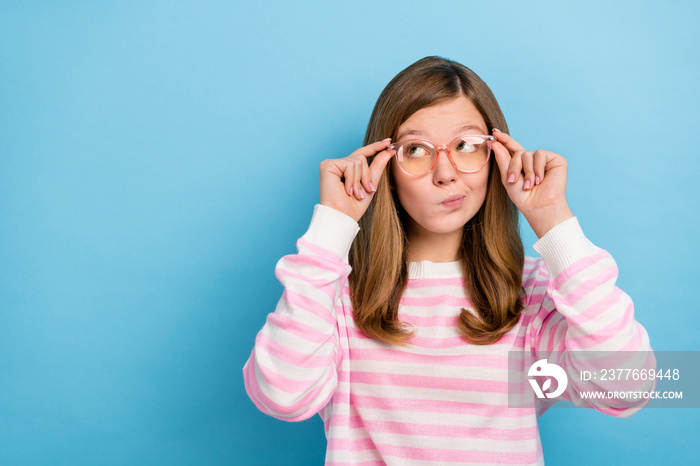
447	226
443	224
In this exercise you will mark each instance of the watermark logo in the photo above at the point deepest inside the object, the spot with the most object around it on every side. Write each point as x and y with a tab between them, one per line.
622	380
542	368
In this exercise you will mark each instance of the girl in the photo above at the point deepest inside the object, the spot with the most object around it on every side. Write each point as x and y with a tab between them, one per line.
411	286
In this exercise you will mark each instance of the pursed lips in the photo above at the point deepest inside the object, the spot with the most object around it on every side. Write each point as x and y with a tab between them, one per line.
453	197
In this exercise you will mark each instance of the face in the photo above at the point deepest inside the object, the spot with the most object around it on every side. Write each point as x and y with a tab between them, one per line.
423	196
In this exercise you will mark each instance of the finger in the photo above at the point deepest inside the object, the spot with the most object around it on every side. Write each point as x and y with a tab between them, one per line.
511	144
349	175
367	178
540	160
515	168
379	164
357	186
503	159
371	149
528	171
509	164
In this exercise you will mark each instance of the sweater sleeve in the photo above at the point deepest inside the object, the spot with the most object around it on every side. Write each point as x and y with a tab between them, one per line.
585	322
291	373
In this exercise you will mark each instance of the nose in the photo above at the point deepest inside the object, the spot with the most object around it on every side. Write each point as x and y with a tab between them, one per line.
444	172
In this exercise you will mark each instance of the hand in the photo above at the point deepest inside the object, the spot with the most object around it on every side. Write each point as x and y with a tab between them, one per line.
535	182
349	184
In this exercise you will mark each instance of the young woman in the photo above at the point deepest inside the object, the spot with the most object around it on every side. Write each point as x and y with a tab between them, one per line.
410	286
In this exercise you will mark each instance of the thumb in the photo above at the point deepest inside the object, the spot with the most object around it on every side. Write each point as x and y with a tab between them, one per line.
379	164
503	159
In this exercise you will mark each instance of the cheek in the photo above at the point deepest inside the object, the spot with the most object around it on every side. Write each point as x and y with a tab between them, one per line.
408	195
411	196
398	181
483	187
480	184
483	181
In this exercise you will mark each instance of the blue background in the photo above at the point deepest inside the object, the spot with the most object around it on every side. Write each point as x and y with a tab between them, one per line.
158	158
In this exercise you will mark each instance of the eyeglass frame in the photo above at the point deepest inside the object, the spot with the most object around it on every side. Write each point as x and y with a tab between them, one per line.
488	139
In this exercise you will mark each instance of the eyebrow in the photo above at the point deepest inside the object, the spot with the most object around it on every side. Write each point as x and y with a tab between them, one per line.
457	132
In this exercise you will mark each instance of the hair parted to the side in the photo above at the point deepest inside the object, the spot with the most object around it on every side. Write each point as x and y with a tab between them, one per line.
491	254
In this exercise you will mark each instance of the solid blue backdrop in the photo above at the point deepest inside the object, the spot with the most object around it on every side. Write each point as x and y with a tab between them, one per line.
158	158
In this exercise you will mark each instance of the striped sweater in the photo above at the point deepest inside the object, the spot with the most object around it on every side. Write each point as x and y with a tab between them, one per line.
441	400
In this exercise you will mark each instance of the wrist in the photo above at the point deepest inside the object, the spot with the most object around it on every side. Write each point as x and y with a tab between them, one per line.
564	245
332	230
548	218
341	210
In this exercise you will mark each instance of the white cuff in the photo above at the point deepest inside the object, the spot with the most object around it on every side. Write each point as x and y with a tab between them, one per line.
563	245
332	230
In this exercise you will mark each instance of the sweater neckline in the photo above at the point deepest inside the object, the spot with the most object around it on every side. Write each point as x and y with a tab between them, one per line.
428	269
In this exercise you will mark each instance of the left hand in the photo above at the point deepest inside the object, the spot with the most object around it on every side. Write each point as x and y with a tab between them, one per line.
538	187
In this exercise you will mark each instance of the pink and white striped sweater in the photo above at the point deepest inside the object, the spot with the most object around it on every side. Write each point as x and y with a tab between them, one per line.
442	400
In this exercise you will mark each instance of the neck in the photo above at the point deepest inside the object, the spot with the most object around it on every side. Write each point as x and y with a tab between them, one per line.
434	247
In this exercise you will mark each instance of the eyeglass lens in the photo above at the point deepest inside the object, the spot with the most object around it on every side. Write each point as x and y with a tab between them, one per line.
469	154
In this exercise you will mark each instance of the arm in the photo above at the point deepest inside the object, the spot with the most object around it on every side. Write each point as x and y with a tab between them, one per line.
291	373
581	309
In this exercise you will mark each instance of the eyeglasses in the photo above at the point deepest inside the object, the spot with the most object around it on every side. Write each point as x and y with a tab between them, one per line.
467	154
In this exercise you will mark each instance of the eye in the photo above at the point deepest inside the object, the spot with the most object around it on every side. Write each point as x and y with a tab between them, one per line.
417	151
464	147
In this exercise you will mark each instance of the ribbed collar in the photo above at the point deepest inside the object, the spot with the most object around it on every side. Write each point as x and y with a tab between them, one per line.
427	269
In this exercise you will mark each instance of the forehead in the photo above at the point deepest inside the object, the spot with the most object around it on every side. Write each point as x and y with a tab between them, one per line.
444	120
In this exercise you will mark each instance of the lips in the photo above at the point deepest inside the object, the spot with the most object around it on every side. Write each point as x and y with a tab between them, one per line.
453	202
453	198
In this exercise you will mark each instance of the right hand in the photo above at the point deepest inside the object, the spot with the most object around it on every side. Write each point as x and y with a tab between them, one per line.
349	184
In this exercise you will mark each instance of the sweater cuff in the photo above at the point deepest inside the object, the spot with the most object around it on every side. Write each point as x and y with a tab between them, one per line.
563	245
332	230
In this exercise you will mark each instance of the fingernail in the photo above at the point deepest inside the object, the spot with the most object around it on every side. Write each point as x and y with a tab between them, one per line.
351	191
537	180
387	139
511	178
362	194
372	187
496	130
527	184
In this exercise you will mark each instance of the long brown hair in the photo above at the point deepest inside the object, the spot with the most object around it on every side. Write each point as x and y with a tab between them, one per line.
491	254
